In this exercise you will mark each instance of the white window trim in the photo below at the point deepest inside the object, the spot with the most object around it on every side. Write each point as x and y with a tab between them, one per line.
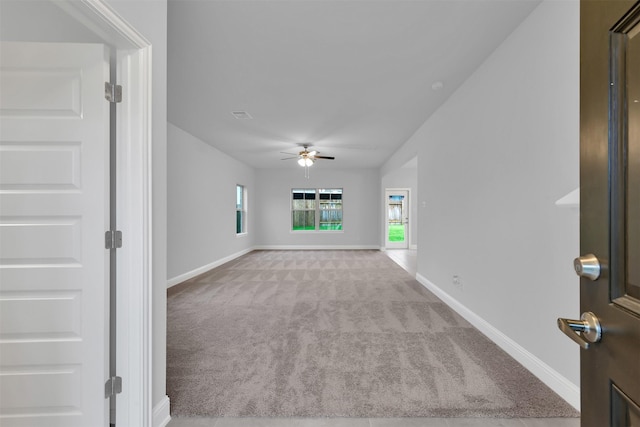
244	209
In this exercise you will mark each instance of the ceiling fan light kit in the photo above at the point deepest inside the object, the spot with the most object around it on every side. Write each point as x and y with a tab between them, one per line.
307	158
305	161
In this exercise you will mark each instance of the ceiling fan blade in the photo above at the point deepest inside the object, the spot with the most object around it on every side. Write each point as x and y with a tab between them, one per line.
291	154
289	158
324	157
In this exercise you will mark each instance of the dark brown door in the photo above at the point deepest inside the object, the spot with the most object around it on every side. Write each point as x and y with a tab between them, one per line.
609	214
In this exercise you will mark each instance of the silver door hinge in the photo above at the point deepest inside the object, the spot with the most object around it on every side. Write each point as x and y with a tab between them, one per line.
113	239
112	92
112	387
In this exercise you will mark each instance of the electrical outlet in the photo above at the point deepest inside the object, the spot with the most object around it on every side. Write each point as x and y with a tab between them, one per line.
457	283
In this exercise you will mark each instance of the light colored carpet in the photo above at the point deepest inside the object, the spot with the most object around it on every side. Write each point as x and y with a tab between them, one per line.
334	334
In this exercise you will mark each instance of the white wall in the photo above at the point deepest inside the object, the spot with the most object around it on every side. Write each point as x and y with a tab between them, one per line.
405	177
202	206
493	160
38	21
361	207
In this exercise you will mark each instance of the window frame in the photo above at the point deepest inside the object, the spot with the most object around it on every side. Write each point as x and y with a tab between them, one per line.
319	194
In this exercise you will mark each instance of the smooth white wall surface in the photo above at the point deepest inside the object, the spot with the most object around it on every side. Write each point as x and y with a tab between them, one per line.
202	204
403	178
493	160
361	207
150	19
39	21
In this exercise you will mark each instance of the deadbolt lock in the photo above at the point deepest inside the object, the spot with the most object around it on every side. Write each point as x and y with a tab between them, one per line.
587	266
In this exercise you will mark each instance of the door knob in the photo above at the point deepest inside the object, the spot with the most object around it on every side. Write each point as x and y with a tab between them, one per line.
584	331
587	266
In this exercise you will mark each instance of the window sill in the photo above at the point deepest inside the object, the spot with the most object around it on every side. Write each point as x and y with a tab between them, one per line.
241	234
316	231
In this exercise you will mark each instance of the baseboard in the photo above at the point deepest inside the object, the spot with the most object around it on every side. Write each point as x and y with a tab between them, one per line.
315	247
554	380
411	247
161	413
193	273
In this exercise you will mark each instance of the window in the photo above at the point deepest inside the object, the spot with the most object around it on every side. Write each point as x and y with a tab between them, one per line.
316	209
303	208
241	209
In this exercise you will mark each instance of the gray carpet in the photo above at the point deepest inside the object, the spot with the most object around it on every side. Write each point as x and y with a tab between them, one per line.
334	334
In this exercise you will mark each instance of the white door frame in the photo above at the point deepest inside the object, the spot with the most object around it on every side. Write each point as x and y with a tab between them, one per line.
134	276
387	192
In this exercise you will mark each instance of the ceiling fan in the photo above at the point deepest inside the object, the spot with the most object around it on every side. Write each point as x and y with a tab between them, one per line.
305	157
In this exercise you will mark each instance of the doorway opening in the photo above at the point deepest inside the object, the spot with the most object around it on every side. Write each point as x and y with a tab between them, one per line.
397	222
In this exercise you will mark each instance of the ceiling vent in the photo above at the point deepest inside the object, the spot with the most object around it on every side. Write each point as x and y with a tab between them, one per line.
241	115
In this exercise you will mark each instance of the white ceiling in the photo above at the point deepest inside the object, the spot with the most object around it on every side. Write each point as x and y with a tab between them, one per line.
354	78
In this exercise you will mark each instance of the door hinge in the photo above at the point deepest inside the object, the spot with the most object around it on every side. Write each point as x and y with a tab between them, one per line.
113	239
112	387
112	92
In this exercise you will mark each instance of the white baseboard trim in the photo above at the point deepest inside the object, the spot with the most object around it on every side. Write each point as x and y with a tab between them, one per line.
411	247
161	413
554	380
193	273
315	247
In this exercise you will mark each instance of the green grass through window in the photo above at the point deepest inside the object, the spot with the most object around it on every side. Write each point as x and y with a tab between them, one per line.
396	232
337	226
322	227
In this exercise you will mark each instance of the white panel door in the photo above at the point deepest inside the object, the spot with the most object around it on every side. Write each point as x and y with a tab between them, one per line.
54	207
